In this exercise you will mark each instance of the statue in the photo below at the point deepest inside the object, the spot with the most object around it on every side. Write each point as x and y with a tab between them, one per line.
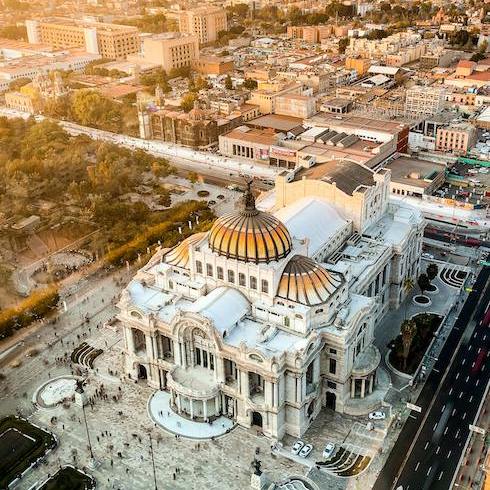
256	465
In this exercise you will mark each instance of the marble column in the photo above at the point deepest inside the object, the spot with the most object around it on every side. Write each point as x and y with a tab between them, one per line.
176	350
149	346
246	389
178	403
205	409
363	387
371	383
191	402
276	393
130	340
352	387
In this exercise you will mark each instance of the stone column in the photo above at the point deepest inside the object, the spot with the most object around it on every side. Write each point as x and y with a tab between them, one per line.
371	382
352	387
276	392
205	409
178	403
363	387
246	389
219	369
217	408
130	340
177	358
191	403
303	387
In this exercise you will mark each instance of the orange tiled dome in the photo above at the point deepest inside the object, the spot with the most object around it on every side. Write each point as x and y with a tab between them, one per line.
250	235
307	282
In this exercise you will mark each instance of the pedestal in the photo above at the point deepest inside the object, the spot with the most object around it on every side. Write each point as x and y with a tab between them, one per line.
257	482
80	399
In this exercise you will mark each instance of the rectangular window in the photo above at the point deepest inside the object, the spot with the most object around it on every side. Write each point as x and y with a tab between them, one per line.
265	286
241	279
231	276
211	361
198	266
219	272
209	270
204	358
332	368
198	356
333	351
253	282
332	385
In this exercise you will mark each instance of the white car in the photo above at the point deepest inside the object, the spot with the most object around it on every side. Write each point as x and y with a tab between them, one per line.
297	447
306	450
377	415
328	451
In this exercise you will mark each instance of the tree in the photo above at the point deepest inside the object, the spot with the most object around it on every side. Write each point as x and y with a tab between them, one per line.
89	108
432	271
187	102
250	84
423	282
193	177
343	43
14	32
228	82
408	331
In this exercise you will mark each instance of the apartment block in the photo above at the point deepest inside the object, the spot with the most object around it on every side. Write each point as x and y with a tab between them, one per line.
457	138
424	100
296	105
111	41
267	94
171	50
203	22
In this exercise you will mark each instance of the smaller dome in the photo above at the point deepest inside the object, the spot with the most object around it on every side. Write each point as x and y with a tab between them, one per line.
305	281
178	256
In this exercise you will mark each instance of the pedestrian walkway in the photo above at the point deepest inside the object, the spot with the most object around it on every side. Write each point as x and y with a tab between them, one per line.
161	413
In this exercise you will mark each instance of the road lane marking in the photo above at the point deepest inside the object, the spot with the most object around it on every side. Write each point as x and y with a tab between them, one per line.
473	365
460	395
457	375
477	382
471	398
426	446
485	337
467	379
442	409
469	347
479	349
463	361
450	391
438	449
445	430
440	475
417	466
454	411
435	426
457	434
464	416
449	453
428	471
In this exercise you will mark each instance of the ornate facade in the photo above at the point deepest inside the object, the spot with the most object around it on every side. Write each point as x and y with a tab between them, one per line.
251	321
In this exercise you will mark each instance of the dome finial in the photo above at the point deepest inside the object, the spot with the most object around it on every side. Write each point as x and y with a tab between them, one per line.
248	200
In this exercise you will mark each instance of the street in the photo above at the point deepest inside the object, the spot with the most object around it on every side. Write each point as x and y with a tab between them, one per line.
428	450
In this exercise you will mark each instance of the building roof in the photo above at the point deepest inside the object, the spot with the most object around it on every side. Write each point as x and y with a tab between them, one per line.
178	256
276	122
250	235
346	175
304	281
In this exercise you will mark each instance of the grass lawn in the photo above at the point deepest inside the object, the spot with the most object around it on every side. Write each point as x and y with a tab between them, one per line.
21	444
69	478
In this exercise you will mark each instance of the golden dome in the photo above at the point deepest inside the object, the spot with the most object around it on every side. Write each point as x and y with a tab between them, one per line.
305	281
250	235
179	255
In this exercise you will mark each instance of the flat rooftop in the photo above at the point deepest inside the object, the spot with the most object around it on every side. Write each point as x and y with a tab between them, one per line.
276	122
357	122
412	171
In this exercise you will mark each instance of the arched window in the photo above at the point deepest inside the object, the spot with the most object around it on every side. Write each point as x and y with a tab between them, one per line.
231	276
219	272
198	266
253	282
241	279
265	286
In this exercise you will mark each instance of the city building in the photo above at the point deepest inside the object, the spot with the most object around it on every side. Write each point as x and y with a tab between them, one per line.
456	138
426	101
171	50
269	316
214	65
267	93
110	41
203	22
296	105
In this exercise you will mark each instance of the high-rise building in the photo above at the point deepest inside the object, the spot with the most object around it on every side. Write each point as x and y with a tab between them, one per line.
203	22
424	100
171	50
111	41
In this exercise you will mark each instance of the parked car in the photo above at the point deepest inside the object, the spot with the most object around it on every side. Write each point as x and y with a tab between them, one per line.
378	415
297	447
306	450
328	451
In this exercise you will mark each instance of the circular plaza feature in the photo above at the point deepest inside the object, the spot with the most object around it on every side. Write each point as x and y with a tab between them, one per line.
55	391
161	412
422	300
432	289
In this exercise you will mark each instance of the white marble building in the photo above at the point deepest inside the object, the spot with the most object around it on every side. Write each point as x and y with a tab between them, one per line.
259	320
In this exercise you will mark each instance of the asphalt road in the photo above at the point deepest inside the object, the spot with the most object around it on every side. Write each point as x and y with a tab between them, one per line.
429	447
